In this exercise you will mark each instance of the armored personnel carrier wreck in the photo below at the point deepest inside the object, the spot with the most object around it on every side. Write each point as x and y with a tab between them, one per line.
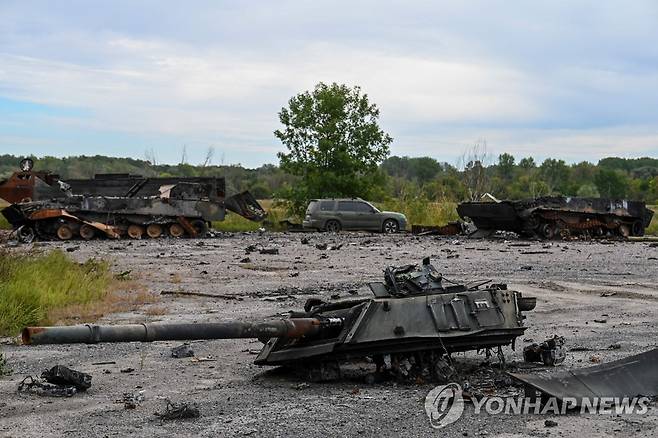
415	320
115	205
552	216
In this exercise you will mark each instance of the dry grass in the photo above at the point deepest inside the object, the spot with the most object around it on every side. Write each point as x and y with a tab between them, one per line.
155	311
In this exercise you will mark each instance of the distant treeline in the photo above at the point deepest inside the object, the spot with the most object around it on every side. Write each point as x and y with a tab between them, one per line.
405	177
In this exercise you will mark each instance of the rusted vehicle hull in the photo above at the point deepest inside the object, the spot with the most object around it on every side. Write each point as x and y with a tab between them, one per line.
116	205
415	319
29	186
549	217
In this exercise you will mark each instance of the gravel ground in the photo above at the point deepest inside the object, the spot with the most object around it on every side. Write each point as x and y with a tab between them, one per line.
237	398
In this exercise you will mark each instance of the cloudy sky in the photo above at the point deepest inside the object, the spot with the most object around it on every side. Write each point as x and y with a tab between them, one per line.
577	80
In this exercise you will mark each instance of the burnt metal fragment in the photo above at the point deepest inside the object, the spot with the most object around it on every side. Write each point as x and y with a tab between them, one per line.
181	351
628	377
179	411
61	375
550	352
59	381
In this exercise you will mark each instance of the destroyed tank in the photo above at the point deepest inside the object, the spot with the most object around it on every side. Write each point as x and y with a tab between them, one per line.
414	320
548	217
116	205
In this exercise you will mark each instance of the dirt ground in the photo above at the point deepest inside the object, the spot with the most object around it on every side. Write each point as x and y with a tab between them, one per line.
237	398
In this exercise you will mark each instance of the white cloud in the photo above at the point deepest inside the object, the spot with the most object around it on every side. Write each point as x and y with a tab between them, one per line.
573	80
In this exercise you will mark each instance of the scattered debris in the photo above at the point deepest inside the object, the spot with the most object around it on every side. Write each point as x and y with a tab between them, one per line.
245	260
131	400
125	275
608	294
127	370
179	411
201	294
335	247
550	423
601	320
73	248
269	251
550	352
526	268
183	350
304	241
321	246
60	381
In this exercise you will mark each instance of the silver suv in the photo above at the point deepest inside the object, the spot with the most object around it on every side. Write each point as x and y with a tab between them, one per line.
351	214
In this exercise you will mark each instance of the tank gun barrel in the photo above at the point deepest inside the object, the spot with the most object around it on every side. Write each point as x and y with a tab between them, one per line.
91	333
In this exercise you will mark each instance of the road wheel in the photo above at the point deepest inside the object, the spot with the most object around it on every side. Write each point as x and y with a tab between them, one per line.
624	230
135	231
201	227
154	231
390	226
332	226
638	228
87	232
64	232
26	234
547	230
176	230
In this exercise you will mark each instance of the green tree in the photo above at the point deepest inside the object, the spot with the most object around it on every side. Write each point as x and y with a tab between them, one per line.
611	183
506	166
334	144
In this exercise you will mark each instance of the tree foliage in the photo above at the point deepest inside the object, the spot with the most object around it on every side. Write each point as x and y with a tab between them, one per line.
333	144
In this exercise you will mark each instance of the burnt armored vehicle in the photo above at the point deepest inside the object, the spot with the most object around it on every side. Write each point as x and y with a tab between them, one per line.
414	320
115	205
552	216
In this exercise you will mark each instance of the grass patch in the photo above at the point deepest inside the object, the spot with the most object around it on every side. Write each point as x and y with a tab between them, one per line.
422	212
4	225
50	288
235	223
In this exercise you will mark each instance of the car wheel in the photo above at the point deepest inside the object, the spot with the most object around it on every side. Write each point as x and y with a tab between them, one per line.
390	226
332	226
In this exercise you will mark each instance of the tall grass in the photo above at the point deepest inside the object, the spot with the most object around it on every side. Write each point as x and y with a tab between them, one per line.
235	223
420	211
33	286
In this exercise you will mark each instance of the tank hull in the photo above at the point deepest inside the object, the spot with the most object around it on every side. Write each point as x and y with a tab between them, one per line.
548	217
